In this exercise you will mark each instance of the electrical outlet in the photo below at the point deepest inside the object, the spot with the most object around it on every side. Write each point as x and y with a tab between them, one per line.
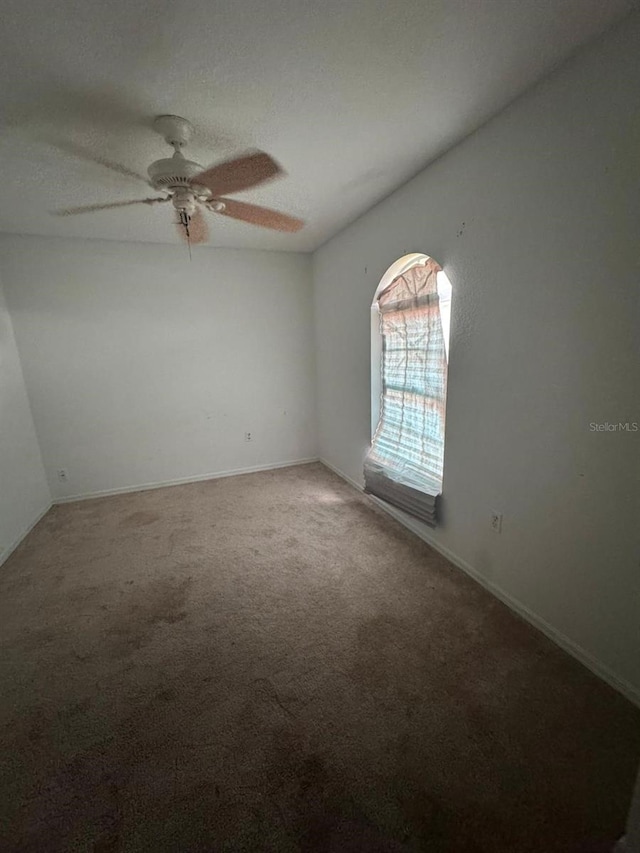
63	475
248	436
496	521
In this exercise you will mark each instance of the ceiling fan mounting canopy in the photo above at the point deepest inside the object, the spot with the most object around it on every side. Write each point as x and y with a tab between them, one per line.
177	131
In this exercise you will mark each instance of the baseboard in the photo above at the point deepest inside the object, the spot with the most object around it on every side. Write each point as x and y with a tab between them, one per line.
181	481
340	473
4	555
603	672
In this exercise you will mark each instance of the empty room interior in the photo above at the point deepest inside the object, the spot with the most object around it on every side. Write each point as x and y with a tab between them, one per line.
320	426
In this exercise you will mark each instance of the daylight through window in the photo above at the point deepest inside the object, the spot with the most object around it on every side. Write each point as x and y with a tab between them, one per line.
411	314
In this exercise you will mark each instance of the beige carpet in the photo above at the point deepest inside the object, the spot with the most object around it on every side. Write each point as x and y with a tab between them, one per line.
269	663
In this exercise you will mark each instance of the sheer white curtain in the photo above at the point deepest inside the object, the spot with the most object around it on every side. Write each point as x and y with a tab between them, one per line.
405	463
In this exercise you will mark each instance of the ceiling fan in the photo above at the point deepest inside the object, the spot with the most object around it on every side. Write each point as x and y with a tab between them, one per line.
190	187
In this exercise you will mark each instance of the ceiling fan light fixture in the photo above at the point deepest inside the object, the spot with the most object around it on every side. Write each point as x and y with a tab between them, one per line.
184	200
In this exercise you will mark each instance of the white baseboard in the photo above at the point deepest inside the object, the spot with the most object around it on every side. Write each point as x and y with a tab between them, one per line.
4	555
181	481
603	672
344	476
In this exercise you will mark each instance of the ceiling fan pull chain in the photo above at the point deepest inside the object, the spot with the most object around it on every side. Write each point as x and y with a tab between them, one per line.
184	221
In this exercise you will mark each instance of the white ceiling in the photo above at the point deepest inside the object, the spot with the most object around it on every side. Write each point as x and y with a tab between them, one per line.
353	97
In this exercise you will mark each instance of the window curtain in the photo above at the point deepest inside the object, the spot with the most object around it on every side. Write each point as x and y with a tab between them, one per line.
405	462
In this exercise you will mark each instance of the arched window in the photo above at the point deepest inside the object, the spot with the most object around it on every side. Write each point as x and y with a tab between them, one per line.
410	348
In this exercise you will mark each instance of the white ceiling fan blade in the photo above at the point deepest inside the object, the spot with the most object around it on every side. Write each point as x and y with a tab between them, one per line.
91	208
68	147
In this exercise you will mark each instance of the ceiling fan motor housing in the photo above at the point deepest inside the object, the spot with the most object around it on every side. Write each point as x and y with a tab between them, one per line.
173	172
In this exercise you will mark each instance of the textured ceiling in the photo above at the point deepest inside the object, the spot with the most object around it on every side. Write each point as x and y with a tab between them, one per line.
353	98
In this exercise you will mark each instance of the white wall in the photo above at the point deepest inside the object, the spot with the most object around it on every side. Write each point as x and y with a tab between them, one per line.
536	220
24	493
143	367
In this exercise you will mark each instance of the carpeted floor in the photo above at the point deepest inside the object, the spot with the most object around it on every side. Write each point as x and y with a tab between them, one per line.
269	663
